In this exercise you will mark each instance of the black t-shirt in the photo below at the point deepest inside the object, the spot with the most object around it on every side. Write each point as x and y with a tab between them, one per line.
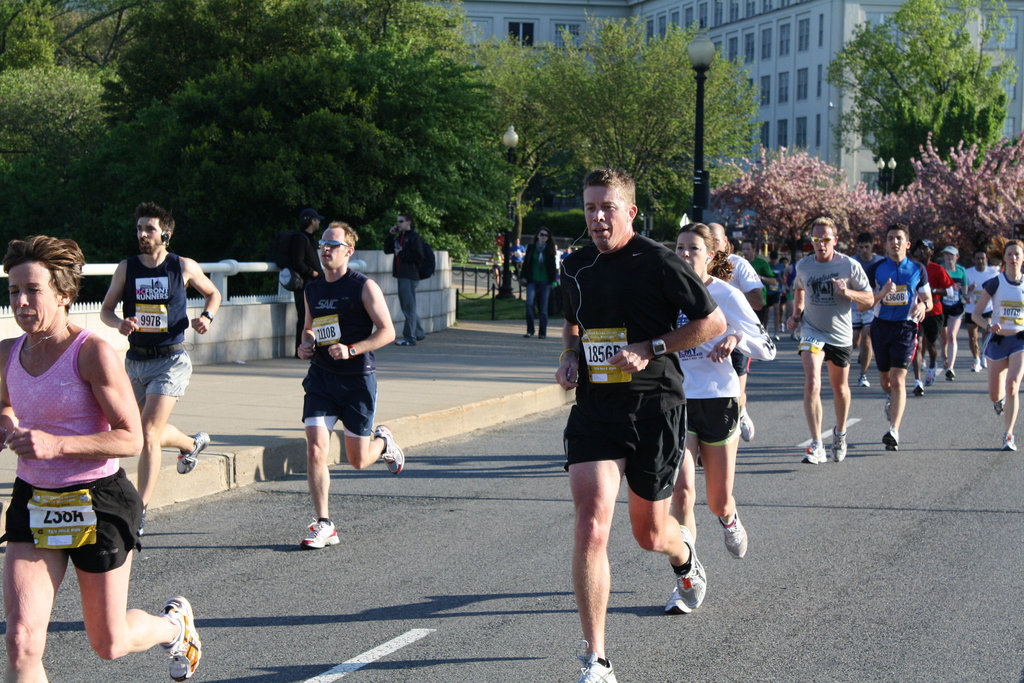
641	288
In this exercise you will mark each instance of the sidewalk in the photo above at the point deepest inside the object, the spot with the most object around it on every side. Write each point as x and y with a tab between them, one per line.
460	379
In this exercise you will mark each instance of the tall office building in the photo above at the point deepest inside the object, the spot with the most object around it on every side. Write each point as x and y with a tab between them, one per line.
785	45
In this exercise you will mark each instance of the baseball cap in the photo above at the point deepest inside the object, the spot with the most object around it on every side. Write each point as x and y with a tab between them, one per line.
310	214
951	250
929	244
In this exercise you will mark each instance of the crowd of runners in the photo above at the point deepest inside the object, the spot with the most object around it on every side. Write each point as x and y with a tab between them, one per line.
657	344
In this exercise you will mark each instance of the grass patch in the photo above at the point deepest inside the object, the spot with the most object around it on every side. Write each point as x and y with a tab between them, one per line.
478	307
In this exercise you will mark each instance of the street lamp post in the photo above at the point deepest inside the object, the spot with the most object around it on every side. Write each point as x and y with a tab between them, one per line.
702	52
886	173
510	139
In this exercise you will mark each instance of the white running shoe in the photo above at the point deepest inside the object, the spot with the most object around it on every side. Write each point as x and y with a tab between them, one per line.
838	446
998	406
185	651
863	381
188	461
392	455
320	534
735	536
929	378
746	427
1008	443
891	439
976	365
815	454
591	670
688	593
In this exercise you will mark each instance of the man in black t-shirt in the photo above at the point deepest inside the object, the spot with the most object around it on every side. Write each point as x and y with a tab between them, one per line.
622	297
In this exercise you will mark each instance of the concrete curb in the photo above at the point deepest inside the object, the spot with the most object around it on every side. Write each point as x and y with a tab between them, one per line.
223	471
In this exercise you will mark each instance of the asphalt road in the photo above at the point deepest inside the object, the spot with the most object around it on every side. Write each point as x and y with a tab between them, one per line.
889	566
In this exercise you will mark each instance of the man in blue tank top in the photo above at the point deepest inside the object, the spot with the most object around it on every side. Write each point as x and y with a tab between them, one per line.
151	290
347	319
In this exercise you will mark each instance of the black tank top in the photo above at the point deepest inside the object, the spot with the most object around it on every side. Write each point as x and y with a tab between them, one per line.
339	316
156	297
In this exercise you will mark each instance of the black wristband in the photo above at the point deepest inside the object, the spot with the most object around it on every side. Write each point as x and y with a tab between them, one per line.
206	314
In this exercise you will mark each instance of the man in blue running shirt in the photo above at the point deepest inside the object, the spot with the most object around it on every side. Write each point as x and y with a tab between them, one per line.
901	287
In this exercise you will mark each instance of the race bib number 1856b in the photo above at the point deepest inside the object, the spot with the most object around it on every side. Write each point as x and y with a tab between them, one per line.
598	346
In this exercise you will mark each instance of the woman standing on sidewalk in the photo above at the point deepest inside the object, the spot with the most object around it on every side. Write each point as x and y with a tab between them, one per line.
539	272
68	412
1005	349
712	388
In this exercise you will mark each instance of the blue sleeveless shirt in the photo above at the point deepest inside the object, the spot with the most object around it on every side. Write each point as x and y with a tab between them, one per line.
339	316
156	297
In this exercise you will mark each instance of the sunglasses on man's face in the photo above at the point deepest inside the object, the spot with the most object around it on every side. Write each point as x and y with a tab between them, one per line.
330	244
826	240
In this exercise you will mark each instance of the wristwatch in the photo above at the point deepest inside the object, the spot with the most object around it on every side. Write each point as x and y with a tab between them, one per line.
206	314
352	352
658	347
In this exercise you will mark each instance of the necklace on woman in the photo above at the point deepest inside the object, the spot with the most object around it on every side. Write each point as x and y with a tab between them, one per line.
49	336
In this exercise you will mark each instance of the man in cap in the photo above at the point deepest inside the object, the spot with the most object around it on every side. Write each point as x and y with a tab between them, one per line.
303	260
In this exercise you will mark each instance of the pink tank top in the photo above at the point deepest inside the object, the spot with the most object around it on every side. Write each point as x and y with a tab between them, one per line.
58	402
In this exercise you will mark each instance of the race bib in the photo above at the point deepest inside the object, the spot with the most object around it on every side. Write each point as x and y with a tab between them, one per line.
1011	313
327	330
62	520
151	317
897	297
952	297
810	344
600	345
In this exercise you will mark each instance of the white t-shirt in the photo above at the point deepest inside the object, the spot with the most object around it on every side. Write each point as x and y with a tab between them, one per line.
704	378
974	282
744	277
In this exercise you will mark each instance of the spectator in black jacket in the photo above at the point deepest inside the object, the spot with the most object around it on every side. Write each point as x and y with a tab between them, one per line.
305	261
538	272
407	246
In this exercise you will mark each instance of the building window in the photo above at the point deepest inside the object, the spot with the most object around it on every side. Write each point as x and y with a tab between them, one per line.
801	84
702	14
782	132
521	32
748	47
817	130
821	30
1010	129
662	25
783	87
718	13
765	135
801	132
1010	39
734	10
803	35
650	29
751	8
766	43
766	5
784	40
766	90
734	48
675	18
688	16
819	80
573	31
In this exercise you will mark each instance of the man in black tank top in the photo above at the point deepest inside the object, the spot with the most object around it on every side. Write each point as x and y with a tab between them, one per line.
151	290
346	320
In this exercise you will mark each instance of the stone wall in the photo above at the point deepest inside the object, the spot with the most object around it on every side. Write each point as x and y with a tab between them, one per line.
249	329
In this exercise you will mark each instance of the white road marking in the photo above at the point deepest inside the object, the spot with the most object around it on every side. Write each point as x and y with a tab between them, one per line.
370	656
849	423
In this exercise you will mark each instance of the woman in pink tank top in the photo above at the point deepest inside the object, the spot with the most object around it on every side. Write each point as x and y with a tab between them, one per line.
68	412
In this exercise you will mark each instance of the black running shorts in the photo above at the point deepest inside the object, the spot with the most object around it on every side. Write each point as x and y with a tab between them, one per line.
118	515
650	447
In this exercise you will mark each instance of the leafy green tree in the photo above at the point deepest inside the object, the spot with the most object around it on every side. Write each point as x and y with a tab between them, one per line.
927	68
27	35
628	101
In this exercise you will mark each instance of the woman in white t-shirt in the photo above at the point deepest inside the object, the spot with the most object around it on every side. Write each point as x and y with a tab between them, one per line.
712	388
